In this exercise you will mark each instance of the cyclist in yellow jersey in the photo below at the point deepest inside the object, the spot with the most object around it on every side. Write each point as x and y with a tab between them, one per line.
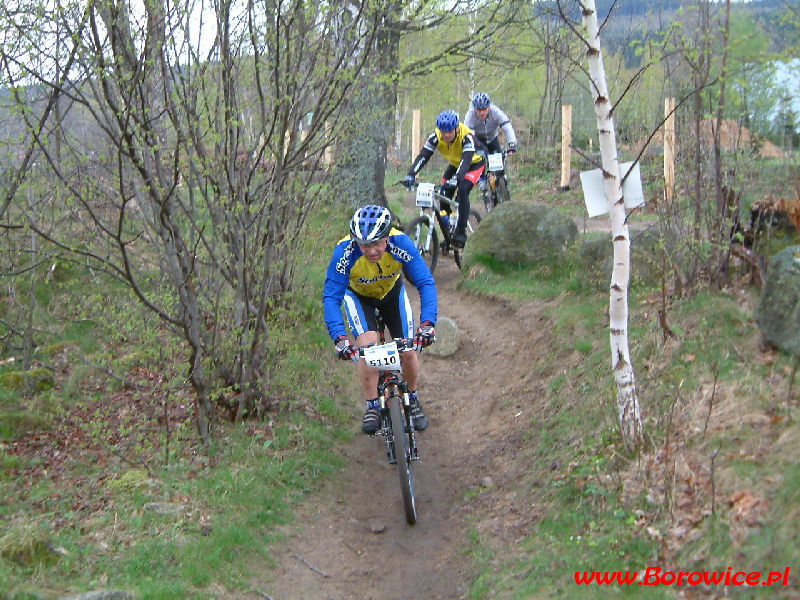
457	144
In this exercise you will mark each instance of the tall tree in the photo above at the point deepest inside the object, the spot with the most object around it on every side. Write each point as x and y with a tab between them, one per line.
208	163
362	159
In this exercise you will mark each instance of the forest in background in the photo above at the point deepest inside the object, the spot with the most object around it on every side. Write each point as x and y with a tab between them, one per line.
651	52
205	165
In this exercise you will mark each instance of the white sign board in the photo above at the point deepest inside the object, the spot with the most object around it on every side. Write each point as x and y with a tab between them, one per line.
594	193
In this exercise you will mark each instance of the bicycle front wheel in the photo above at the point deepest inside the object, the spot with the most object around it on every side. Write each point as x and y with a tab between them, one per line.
502	190
426	239
402	450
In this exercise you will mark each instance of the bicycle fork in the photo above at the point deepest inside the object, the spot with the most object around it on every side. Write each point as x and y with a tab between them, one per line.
392	392
429	237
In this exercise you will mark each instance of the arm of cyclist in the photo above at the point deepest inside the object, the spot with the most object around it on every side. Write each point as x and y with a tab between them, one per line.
470	146
508	130
336	280
419	274
422	158
471	118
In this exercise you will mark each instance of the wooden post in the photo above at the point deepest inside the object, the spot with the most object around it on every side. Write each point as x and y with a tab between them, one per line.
415	142
566	142
669	148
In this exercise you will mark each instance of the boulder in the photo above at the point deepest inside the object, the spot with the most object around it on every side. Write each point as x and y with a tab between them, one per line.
446	338
778	310
520	233
596	255
31	381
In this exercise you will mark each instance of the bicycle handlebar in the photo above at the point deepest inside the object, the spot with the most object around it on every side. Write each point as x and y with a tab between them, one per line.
436	188
403	345
413	186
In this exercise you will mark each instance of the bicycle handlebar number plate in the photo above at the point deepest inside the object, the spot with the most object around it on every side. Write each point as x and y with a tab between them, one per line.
425	195
495	161
385	357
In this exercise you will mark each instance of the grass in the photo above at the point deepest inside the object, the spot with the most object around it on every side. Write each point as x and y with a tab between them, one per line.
161	518
709	390
119	505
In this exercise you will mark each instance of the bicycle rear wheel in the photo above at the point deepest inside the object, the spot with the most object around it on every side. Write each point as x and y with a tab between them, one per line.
426	239
472	225
402	451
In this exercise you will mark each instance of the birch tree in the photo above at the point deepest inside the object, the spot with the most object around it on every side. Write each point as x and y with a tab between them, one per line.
630	421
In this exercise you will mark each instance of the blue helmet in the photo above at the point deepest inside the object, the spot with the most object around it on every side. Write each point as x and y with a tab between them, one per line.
447	120
370	224
481	100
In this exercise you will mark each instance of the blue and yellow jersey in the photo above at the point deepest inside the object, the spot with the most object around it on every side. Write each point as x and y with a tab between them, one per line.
349	268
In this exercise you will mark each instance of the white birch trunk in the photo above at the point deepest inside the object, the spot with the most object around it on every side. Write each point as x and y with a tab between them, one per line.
630	420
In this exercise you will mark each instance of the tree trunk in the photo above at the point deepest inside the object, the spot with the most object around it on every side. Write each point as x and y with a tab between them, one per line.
725	219
627	400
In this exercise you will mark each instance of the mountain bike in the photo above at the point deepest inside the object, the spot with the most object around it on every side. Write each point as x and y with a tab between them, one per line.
397	424
495	188
431	200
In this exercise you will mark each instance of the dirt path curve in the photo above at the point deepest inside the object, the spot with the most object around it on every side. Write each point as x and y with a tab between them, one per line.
353	543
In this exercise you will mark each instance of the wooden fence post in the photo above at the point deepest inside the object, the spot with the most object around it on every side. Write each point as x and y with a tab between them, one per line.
566	142
415	143
669	148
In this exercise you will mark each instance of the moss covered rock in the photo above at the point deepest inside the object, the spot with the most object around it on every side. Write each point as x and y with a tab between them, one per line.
520	233
778	311
29	548
129	480
28	382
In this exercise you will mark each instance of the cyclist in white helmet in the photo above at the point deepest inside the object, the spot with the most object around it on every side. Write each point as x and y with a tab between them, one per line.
486	120
365	273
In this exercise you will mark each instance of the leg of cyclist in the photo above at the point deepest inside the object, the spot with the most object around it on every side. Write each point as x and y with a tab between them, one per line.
491	147
399	318
361	316
447	190
494	145
462	196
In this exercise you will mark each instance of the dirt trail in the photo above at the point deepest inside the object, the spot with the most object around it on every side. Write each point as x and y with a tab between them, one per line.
352	541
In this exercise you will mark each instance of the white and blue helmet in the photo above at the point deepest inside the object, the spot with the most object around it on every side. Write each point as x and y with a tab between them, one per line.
370	224
481	100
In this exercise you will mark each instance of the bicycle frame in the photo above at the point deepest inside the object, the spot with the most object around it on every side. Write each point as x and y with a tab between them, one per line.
433	211
496	167
397	425
495	170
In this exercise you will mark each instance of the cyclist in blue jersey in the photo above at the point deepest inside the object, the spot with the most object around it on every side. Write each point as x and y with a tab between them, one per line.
365	273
